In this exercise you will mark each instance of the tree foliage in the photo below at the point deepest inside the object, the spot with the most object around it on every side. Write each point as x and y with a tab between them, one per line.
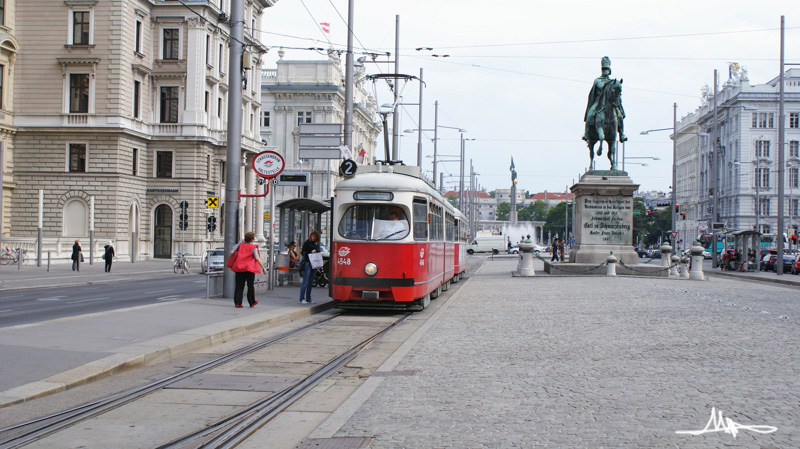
554	224
503	210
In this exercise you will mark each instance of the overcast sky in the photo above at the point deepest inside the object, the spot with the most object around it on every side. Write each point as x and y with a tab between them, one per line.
519	71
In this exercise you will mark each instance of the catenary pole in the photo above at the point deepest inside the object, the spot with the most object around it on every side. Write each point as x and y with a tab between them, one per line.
435	140
714	261
348	80
674	176
395	114
419	133
234	157
781	162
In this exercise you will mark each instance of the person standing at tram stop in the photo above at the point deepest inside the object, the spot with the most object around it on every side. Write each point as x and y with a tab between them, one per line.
77	256
108	256
247	264
293	257
309	246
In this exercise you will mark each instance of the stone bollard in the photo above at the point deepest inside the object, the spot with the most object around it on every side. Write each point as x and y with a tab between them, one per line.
525	267
665	250
611	265
696	273
683	268
673	267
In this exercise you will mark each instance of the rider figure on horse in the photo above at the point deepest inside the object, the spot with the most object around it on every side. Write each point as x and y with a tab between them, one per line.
596	104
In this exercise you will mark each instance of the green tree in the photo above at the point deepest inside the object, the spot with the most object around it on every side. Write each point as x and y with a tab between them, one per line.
453	201
525	213
539	211
491	193
503	210
554	224
639	221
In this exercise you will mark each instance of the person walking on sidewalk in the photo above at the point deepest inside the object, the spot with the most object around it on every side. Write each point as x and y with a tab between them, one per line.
246	265
310	246
108	256
554	249
77	256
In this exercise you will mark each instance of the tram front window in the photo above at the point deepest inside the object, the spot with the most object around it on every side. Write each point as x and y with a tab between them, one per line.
374	222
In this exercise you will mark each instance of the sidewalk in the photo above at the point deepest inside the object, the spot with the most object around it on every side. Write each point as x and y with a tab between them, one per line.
753	276
61	274
43	358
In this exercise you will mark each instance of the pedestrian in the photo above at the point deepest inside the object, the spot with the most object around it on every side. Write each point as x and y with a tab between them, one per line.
554	250
247	264
561	245
309	246
108	256
293	256
77	256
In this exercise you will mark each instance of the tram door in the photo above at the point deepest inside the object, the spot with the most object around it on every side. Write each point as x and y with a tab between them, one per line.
162	240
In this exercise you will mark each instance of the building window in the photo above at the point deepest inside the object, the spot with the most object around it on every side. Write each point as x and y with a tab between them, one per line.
303	117
206	101
794	148
137	88
137	46
80	27
171	43
794	207
79	93
265	119
2	79
135	162
208	167
794	120
793	177
208	49
762	177
763	206
2	12
163	164
763	120
169	105
764	229
77	157
252	122
76	219
762	148
219	107
221	57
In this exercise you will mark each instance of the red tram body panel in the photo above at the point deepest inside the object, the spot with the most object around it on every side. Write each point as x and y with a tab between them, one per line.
397	242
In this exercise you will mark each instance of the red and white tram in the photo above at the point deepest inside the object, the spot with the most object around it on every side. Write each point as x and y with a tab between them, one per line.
397	242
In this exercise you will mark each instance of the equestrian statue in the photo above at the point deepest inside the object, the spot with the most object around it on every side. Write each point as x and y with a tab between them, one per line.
604	115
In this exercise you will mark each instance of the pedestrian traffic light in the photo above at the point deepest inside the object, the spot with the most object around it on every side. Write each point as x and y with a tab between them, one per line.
212	223
794	240
677	209
683	215
183	224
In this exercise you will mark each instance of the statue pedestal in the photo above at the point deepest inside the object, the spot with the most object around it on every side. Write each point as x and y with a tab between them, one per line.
603	224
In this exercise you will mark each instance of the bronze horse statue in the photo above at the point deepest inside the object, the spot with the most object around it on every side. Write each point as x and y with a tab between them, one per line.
608	115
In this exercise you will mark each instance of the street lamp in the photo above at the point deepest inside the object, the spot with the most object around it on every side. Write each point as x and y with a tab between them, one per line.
461	176
435	139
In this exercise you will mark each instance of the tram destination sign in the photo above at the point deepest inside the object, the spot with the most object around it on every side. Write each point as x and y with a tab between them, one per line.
268	164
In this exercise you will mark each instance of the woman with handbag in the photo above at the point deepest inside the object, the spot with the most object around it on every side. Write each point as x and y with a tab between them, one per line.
244	260
77	256
309	247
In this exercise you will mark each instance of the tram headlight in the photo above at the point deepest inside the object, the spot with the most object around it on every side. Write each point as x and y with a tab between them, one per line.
371	269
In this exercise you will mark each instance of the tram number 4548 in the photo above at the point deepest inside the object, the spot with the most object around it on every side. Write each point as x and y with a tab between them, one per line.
343	261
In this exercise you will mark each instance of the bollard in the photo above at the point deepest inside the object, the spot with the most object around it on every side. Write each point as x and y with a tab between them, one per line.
19	258
611	264
696	273
525	266
673	267
683	268
665	250
48	261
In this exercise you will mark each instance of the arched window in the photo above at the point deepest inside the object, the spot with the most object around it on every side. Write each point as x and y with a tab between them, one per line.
76	219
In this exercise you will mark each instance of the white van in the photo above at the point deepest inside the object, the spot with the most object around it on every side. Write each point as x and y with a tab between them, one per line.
486	243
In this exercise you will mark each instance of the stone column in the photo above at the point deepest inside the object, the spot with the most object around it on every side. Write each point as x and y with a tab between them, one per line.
684	268
696	273
673	270
611	265
665	251
194	109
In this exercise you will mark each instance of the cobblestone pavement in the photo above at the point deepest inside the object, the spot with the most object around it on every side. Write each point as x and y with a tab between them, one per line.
595	362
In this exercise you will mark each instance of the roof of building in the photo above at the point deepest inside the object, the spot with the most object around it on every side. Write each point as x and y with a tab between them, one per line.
551	196
478	193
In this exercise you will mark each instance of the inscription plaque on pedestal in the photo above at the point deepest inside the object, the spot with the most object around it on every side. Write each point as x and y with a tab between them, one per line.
606	220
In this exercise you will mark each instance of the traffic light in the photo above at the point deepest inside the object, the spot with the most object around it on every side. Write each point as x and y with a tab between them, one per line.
683	215
649	212
183	223
212	223
677	209
794	240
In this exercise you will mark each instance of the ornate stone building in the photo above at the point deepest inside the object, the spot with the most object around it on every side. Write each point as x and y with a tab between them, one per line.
9	47
121	116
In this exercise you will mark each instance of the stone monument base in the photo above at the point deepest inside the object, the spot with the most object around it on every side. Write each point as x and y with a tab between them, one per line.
592	269
603	219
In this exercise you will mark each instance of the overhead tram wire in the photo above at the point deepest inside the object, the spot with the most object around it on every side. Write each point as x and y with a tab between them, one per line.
327	37
206	20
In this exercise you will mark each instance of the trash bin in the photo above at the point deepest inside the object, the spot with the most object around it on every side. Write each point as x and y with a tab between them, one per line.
282	264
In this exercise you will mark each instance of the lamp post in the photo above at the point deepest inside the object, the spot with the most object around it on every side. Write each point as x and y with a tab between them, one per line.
461	174
435	130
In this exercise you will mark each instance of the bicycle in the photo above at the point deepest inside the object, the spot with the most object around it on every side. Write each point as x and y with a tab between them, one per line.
9	256
181	264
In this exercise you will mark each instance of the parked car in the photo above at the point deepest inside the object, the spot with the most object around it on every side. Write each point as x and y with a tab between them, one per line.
212	260
641	251
654	254
788	261
513	250
796	265
768	262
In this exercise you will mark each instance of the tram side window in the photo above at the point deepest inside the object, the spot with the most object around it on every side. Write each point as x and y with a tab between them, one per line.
450	230
420	214
374	222
437	227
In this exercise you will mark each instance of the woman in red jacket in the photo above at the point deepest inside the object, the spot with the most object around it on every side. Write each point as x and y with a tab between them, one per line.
247	264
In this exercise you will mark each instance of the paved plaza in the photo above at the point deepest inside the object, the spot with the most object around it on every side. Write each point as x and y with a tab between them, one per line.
579	362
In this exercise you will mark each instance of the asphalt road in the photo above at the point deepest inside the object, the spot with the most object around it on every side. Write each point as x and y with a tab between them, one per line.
48	303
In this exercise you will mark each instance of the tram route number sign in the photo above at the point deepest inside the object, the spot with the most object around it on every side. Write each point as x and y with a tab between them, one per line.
348	167
268	164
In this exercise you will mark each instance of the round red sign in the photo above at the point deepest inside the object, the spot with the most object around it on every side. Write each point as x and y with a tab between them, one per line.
268	164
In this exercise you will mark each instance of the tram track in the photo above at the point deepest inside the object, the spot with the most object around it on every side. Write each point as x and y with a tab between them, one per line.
223	433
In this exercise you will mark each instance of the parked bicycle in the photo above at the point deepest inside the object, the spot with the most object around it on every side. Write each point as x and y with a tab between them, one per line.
9	256
181	264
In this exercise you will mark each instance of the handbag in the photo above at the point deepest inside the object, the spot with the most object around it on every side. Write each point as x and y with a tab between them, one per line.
316	260
81	257
232	259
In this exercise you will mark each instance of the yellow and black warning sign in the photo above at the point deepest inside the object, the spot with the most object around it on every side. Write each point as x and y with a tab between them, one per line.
212	202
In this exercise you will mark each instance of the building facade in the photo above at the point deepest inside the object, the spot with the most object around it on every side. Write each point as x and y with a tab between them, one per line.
121	118
300	92
728	161
9	47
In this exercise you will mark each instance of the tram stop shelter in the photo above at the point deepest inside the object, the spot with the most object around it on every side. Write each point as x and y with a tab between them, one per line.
745	243
298	217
